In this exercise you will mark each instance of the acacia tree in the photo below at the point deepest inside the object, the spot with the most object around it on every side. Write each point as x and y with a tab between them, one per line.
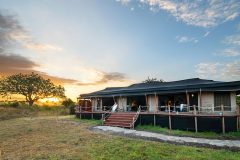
152	80
32	86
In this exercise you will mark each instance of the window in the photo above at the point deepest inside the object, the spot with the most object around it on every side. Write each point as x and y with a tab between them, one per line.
220	99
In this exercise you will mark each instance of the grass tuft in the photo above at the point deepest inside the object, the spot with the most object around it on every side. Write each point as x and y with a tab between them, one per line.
210	135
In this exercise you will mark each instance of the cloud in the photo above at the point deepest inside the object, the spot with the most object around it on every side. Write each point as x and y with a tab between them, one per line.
206	34
42	47
208	13
231	70
229	52
233	40
9	27
14	64
185	39
222	71
207	69
238	27
233	43
105	78
13	34
124	2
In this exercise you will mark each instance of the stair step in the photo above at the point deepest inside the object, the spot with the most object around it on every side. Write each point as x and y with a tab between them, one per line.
123	122
117	125
111	122
130	113
118	120
122	115
125	118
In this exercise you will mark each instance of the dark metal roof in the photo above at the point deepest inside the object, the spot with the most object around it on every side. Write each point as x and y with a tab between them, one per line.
190	85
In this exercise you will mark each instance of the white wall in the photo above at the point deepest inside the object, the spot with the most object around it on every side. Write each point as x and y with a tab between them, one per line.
94	104
233	101
122	103
152	102
208	99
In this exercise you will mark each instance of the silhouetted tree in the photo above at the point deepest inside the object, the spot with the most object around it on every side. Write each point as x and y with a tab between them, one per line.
68	102
32	86
151	80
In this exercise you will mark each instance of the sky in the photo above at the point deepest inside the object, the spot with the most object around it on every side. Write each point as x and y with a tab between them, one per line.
87	45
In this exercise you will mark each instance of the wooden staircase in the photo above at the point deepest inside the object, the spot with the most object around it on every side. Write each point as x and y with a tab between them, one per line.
121	119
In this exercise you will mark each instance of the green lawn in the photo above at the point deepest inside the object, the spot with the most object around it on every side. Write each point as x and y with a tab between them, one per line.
65	137
212	135
8	112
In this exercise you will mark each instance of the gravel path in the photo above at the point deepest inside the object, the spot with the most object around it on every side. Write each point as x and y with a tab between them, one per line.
213	143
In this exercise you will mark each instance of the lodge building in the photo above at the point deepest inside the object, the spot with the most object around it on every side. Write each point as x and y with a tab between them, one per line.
190	104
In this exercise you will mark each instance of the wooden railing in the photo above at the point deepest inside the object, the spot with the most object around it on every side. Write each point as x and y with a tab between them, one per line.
82	108
178	109
106	114
135	117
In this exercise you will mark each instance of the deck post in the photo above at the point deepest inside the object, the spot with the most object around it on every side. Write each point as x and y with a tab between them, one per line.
140	119
154	118
169	118
238	118
237	122
156	102
223	120
133	124
80	108
92	112
187	96
102	119
146	99
195	119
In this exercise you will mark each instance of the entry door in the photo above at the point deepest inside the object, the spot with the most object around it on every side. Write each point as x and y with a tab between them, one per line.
193	99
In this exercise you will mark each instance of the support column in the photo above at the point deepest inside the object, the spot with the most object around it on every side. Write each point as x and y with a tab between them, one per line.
223	120
156	102
195	119
238	117
146	102
237	122
187	96
154	120
80	112
200	96
169	118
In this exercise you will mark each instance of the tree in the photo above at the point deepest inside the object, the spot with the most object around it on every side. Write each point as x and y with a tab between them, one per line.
68	102
32	86
152	80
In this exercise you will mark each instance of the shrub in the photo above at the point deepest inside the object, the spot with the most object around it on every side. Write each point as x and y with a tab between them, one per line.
14	104
238	100
72	109
68	103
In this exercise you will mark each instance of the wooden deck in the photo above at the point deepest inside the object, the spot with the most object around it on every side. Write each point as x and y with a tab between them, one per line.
226	122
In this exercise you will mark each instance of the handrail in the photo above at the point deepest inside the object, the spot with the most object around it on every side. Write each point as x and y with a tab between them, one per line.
104	116
135	117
